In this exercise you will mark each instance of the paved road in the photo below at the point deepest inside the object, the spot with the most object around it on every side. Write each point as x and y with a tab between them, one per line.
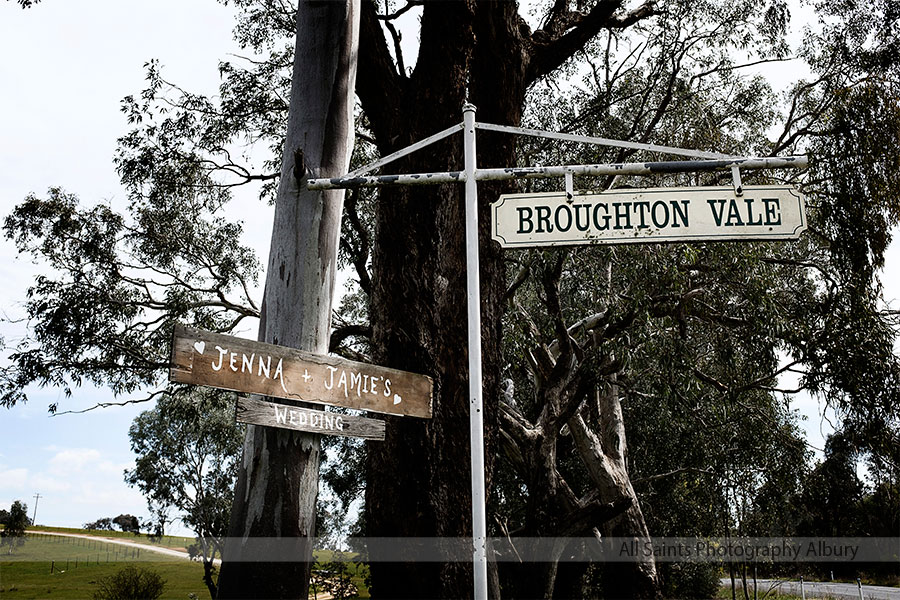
814	589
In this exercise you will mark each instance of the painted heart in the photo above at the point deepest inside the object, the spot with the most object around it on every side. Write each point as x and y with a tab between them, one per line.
397	399
199	347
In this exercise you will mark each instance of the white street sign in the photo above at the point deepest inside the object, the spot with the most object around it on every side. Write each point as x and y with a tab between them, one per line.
648	215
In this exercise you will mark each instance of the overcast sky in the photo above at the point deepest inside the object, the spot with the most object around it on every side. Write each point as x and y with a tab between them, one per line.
66	66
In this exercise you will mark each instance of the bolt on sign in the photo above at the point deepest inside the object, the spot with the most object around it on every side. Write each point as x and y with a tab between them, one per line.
232	363
648	215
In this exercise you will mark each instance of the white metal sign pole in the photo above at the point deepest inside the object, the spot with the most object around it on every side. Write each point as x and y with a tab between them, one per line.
476	406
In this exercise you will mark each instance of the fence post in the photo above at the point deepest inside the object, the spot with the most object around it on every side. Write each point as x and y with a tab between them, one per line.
859	588
802	592
51	567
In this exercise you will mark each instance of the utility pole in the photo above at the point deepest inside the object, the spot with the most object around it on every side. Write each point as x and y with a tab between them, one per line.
34	515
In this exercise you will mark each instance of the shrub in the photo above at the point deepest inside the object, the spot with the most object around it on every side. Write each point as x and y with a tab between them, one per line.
131	583
14	528
128	523
104	524
689	580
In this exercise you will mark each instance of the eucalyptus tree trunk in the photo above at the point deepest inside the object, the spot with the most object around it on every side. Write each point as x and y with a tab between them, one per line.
483	52
275	494
604	452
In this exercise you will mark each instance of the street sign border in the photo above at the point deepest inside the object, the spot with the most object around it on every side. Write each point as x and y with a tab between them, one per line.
648	237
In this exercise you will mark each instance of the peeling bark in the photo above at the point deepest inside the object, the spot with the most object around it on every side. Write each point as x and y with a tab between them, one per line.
277	484
567	388
605	457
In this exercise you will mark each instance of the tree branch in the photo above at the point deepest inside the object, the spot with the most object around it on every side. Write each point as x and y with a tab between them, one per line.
550	283
410	4
568	31
519	281
593	514
398	50
672	473
342	333
149	398
721	387
377	78
583	326
359	255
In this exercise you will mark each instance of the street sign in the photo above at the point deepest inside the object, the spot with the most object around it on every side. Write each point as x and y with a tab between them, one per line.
231	363
648	215
259	412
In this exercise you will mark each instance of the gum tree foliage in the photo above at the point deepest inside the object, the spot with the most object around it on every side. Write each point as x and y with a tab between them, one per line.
188	449
696	336
127	331
13	534
114	285
716	320
647	327
102	524
850	356
128	523
116	281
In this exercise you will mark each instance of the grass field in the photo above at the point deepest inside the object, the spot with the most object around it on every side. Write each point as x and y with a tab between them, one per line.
56	567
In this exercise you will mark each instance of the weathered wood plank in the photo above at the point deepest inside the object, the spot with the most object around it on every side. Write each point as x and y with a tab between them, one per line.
205	358
259	412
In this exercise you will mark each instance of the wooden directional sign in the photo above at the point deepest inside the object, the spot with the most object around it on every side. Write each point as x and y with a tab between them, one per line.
231	363
259	412
648	215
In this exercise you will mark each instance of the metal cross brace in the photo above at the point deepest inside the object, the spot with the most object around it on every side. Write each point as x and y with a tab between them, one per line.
708	161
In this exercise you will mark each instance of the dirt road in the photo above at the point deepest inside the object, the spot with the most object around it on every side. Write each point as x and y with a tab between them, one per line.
118	541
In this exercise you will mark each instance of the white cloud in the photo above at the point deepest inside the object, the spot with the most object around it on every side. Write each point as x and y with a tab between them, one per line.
114	469
107	497
72	460
14	479
49	485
